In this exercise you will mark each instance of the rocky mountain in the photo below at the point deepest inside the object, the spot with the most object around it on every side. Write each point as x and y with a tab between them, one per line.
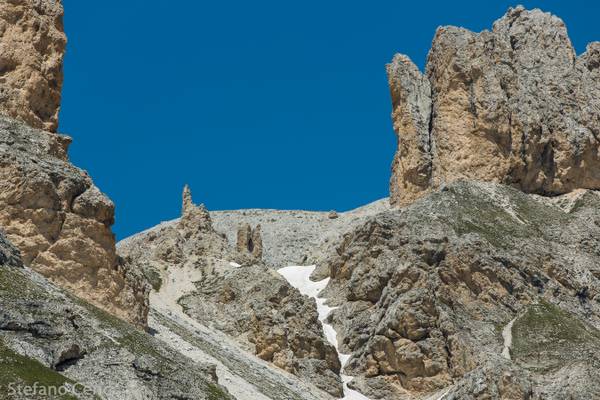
513	105
479	278
430	296
230	289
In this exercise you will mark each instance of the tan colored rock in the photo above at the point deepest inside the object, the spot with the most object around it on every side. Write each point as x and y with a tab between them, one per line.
194	218
411	110
61	222
249	241
513	105
32	47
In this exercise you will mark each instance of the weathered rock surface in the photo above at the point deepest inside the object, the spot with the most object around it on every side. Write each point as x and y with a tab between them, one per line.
425	292
61	222
249	241
261	310
513	105
32	47
189	264
52	338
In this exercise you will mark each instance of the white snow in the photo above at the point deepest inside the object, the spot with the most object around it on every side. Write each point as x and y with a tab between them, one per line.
507	335
234	264
299	277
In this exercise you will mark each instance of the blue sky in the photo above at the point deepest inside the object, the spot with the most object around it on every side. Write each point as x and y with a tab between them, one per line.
270	104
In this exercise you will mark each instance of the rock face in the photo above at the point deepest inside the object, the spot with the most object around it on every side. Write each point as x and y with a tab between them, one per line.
513	105
32	47
193	267
61	222
52	338
249	241
273	320
425	293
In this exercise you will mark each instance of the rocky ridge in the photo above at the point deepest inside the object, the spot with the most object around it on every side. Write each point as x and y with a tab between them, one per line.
513	105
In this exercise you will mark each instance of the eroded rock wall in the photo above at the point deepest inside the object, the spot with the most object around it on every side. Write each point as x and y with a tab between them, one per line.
425	294
61	222
32	47
513	105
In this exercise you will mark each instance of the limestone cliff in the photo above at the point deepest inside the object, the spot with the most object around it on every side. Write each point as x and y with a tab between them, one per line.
51	210
61	222
513	105
32	47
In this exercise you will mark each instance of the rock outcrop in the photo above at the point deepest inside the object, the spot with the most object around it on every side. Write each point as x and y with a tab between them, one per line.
426	296
513	105
249	241
193	266
52	339
32	47
273	320
61	222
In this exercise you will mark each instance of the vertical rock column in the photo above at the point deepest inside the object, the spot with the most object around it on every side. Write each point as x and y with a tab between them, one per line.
249	242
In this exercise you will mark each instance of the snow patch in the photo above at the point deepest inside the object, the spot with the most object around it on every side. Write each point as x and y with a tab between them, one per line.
299	277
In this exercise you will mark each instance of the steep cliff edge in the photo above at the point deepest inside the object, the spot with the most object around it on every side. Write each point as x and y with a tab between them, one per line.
51	210
61	222
513	105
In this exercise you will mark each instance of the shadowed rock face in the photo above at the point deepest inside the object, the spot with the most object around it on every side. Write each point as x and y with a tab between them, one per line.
32	47
61	222
513	105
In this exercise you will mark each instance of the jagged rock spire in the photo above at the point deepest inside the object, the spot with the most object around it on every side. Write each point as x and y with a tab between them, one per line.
513	105
193	218
187	202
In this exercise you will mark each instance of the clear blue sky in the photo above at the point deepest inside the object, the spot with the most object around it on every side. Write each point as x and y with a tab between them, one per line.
271	104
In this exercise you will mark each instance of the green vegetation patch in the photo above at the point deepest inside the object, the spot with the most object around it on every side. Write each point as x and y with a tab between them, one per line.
153	277
502	225
15	285
18	372
546	337
214	392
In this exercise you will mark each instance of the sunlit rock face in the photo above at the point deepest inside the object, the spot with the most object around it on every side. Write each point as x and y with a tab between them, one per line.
32	48
61	222
513	105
